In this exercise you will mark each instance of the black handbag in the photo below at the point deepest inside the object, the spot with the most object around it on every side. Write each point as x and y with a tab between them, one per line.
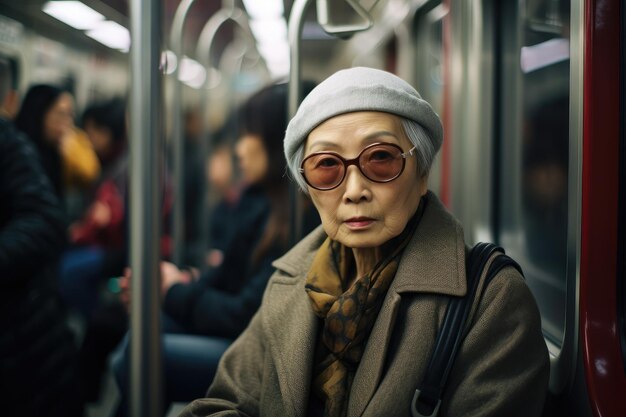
427	397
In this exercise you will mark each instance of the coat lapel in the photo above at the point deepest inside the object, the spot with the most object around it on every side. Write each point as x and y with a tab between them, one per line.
430	264
292	329
433	262
370	369
292	326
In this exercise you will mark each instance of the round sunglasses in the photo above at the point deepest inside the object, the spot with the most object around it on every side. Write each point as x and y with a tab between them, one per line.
378	162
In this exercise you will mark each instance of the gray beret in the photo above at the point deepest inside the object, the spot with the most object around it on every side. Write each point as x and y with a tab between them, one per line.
361	89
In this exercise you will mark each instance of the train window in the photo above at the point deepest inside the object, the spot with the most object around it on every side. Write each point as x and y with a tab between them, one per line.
534	146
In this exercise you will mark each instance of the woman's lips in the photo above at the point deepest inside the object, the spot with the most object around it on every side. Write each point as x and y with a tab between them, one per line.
359	222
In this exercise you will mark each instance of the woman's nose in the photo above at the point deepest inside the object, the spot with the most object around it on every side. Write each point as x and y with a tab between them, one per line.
357	187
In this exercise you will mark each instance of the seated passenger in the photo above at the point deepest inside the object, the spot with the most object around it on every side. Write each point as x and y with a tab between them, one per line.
47	118
193	170
220	302
226	194
103	223
98	238
99	244
223	192
81	169
349	318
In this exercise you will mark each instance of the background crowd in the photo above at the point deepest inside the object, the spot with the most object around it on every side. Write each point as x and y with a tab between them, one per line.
64	244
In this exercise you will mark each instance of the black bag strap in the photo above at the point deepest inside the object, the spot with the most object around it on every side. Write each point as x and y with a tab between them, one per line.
427	397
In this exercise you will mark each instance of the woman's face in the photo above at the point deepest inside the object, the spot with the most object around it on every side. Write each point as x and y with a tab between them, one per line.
253	158
59	119
360	213
101	138
220	169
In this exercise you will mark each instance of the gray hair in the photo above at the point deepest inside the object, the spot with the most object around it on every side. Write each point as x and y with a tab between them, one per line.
416	134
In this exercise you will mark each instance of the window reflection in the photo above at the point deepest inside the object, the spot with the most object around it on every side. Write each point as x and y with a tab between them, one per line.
534	229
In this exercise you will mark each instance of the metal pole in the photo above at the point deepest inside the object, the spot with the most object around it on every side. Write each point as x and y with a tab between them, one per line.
203	51
145	213
178	140
296	22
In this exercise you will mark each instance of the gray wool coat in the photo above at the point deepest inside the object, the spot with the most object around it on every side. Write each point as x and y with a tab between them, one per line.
502	367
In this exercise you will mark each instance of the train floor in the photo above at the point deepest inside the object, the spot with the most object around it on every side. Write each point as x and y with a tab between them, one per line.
109	398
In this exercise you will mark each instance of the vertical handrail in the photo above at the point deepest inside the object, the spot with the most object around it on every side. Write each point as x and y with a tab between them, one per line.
145	215
203	51
178	141
296	22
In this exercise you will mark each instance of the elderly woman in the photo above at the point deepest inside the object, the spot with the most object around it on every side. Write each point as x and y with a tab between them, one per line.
349	319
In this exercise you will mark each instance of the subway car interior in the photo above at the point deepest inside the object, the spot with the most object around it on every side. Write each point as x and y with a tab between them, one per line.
153	104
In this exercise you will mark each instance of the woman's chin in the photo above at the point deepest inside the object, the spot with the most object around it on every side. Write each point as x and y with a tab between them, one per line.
361	239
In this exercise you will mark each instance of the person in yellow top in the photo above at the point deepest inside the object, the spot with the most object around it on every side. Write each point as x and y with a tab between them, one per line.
81	167
47	118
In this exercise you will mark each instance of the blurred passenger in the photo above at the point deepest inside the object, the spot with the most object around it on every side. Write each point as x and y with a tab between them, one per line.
99	249
220	302
99	237
10	104
221	203
223	207
81	167
105	125
47	118
38	372
194	181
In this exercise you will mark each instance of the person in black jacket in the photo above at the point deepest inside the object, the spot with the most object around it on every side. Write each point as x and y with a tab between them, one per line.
204	314
38	373
46	116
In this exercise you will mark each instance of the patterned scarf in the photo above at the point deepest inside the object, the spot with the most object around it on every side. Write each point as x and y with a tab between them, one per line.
348	316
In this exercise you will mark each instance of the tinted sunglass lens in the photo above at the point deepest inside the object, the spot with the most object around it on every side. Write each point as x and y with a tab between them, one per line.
382	163
323	171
